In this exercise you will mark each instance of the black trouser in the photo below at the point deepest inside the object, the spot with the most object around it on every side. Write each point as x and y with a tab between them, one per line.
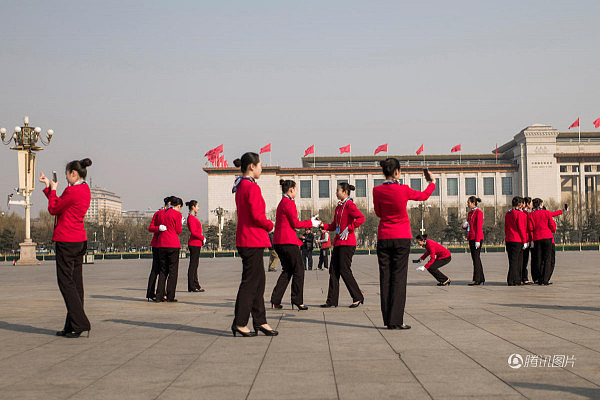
323	258
434	269
392	255
514	250
169	270
69	273
552	261
307	255
341	261
543	250
151	291
535	264
477	267
193	283
291	268
524	272
250	297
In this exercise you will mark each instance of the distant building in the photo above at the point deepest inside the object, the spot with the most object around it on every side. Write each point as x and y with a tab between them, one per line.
138	215
104	205
539	161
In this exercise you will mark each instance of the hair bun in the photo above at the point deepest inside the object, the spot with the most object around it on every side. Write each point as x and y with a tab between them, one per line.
351	187
382	163
237	162
188	203
478	200
86	162
281	182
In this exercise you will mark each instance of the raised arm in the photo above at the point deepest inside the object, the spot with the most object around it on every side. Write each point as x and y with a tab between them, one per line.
58	205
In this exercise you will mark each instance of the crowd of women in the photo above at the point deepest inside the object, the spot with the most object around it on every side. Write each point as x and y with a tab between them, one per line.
528	225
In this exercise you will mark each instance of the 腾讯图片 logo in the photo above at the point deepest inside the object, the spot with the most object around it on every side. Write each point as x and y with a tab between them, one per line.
516	361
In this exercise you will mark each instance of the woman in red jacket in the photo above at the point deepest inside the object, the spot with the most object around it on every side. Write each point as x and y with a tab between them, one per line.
346	219
70	239
542	226
516	239
393	240
474	227
195	243
155	228
287	246
251	238
168	254
438	257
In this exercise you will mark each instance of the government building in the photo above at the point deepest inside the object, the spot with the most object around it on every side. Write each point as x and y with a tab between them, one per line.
104	205
539	161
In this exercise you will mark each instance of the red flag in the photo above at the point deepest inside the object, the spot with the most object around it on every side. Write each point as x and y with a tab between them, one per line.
597	123
381	148
221	162
265	149
496	151
574	124
420	150
217	150
226	164
345	149
310	150
455	149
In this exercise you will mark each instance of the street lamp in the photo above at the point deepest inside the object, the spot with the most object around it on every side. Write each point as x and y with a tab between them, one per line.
25	140
221	222
422	206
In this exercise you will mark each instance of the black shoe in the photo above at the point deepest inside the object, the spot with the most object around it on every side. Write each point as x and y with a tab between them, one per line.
171	300
235	331
301	307
197	290
356	304
277	306
327	305
403	326
267	332
151	299
61	333
476	283
73	335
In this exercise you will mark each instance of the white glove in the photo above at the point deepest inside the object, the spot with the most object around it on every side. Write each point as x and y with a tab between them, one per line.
182	220
421	268
531	245
273	229
162	228
465	225
525	245
315	221
477	245
204	242
344	234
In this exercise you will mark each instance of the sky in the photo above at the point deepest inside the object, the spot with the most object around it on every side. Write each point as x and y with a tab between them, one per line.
145	88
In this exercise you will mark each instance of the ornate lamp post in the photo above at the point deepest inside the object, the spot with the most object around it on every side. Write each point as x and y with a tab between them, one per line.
25	140
221	221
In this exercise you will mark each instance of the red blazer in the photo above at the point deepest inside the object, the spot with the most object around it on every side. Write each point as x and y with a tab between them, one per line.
434	250
195	227
475	229
69	209
154	228
327	244
287	222
253	226
527	212
170	218
515	226
541	224
346	215
390	201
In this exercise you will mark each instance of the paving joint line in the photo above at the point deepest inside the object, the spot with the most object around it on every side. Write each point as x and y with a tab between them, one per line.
337	391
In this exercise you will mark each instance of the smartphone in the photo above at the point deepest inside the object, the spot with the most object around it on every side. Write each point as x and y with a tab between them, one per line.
54	178
566	207
428	177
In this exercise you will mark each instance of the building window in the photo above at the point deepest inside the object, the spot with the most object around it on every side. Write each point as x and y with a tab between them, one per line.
415	184
488	186
470	186
563	168
575	168
507	185
323	189
401	181
587	168
305	189
377	182
452	186
361	187
436	191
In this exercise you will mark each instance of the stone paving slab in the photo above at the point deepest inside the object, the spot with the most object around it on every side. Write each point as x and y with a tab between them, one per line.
458	348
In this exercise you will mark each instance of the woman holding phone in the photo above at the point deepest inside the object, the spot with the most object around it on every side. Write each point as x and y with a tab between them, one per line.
70	240
195	243
474	227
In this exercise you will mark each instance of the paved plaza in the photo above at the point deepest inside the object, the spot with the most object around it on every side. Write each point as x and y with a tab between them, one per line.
458	347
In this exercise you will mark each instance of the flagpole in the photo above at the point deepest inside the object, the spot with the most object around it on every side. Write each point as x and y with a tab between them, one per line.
579	129
315	157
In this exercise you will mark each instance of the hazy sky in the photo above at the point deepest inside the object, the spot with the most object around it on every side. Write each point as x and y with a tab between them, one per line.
145	88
